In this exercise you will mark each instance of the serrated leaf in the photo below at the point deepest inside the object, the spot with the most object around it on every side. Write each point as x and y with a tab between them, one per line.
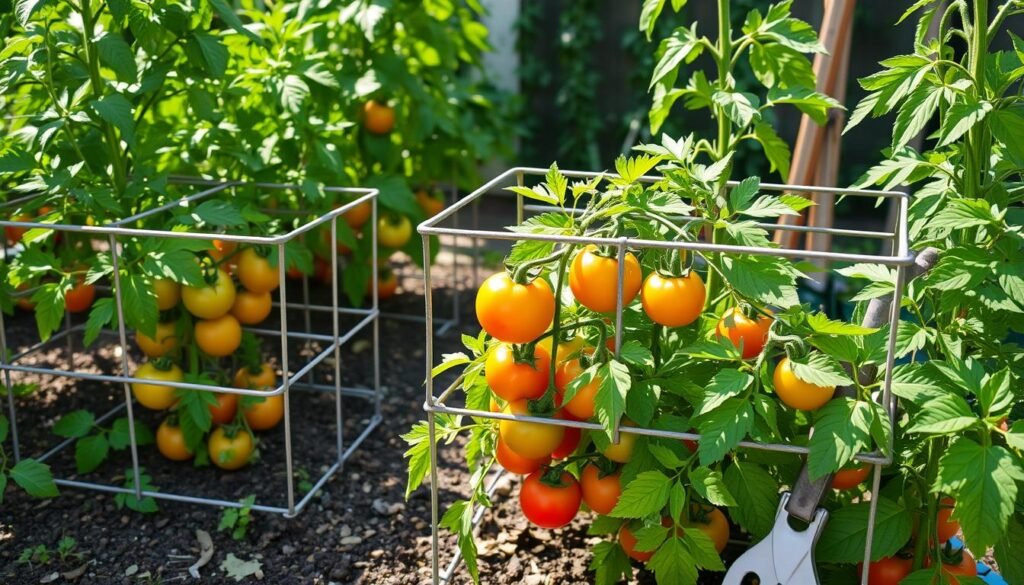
846	532
820	369
115	53
942	415
769	280
35	478
673	564
726	384
101	315
820	323
961	118
984	482
116	110
752	485
227	14
120	438
842	429
681	46
722	429
610	400
90	452
711	486
74	424
644	496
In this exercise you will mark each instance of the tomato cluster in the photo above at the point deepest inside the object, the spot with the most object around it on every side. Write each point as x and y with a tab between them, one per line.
203	325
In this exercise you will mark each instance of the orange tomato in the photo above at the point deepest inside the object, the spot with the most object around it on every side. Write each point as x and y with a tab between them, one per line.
601	493
14	234
673	301
224	411
378	118
265	415
515	463
170	441
168	293
531	440
266	377
430	204
796	393
511	380
628	542
255	272
945	527
219	337
512	312
581	406
744	331
164	343
357	216
251	308
594	279
712	522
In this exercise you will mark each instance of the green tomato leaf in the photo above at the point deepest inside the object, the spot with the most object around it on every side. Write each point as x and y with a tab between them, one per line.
722	429
984	482
74	424
645	495
90	452
759	493
35	478
711	486
842	429
846	532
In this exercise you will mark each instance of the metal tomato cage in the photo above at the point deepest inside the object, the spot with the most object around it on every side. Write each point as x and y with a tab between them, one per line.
301	378
899	257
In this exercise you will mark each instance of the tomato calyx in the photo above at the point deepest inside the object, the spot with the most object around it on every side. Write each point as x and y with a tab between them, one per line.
552	476
524	353
163	364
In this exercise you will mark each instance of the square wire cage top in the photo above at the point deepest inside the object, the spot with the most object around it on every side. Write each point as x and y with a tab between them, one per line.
209	190
900	257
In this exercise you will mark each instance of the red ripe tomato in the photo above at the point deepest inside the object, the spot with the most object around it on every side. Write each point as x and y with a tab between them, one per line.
581	405
601	493
966	566
224	411
628	542
14	234
796	393
742	330
887	570
945	527
512	312
79	298
673	301
570	440
594	280
847	479
515	463
513	381
550	506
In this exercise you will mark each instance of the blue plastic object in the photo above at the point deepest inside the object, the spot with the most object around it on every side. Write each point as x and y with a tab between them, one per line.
985	573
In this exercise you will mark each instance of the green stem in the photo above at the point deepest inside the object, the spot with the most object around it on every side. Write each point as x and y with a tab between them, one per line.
724	65
93	60
977	151
556	328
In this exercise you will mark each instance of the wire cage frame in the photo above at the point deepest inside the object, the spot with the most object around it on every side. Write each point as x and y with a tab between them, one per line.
294	376
899	257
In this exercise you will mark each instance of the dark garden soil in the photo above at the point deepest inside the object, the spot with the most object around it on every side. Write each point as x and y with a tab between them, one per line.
357	529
